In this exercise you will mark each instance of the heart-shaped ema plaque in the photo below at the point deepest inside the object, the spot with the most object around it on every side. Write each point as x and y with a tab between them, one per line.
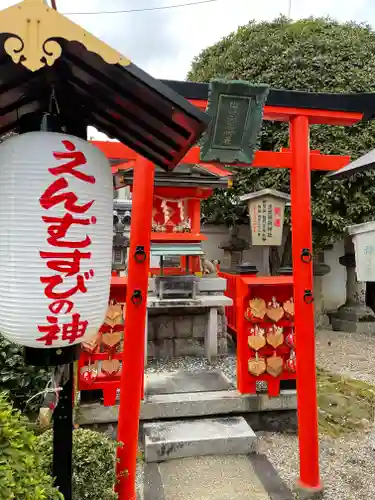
91	345
256	342
114	315
89	374
256	366
257	308
111	339
275	365
275	337
110	366
288	307
89	377
274	311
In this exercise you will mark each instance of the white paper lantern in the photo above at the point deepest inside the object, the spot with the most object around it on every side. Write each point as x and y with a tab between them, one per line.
56	202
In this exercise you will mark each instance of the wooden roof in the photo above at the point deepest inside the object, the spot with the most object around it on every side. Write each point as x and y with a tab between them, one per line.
48	63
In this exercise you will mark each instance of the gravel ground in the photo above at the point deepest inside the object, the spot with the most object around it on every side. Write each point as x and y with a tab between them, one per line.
351	354
139	481
226	364
347	464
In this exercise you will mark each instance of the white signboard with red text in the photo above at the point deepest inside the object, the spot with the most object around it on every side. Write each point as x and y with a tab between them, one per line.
56	203
266	212
364	246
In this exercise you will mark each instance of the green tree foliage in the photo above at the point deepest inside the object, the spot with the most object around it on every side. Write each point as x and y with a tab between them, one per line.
317	55
21	474
94	458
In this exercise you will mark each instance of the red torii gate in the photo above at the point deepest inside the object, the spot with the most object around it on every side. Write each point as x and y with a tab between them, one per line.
300	160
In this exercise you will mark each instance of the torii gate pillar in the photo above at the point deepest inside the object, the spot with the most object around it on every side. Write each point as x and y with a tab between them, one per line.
300	185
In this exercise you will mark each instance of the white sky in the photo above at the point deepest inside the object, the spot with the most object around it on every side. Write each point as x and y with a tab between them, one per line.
163	43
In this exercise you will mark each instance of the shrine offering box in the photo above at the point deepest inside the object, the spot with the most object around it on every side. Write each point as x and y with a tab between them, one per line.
265	333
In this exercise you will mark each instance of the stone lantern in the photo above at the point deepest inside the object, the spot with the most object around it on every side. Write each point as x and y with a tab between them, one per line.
233	251
354	315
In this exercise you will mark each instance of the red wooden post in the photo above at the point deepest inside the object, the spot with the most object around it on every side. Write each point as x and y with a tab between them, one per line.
304	310
195	215
135	320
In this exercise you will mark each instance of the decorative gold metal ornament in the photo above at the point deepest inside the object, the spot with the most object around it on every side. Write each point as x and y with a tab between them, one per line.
33	28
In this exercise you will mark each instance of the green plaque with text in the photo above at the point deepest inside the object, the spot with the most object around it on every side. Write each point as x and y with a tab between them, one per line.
236	109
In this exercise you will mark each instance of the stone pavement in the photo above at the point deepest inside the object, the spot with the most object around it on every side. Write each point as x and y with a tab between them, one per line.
181	382
238	477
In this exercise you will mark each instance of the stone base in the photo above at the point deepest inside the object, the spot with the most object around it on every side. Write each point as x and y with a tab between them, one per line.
353	319
304	493
341	325
179	332
175	348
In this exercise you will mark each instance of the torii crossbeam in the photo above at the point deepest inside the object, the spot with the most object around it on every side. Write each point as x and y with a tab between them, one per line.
262	159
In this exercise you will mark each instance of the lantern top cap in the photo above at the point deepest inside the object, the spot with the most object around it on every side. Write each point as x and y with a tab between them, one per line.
365	227
265	192
362	164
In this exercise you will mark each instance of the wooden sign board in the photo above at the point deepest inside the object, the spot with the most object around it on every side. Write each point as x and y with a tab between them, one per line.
266	212
364	246
236	111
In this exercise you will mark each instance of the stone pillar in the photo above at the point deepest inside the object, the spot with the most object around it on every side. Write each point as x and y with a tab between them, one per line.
210	341
146	339
320	269
354	315
286	266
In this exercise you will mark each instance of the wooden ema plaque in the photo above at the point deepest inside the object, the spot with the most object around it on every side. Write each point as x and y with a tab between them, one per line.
265	339
99	365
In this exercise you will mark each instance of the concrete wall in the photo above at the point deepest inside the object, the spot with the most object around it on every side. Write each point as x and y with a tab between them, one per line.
218	234
334	283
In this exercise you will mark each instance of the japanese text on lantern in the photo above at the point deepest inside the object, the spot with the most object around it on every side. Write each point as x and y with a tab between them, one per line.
65	255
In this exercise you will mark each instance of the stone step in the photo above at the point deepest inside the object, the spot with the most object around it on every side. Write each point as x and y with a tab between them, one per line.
197	404
201	404
182	381
193	438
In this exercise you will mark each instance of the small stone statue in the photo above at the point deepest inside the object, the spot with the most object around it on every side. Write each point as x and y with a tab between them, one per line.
208	267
